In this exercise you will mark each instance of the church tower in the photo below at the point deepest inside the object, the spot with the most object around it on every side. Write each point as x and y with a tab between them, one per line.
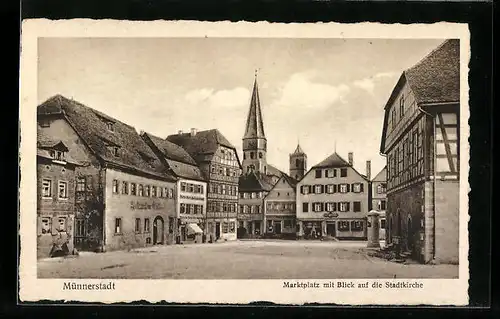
298	163
254	140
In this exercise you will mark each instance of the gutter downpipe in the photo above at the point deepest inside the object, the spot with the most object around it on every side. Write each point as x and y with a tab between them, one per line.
433	187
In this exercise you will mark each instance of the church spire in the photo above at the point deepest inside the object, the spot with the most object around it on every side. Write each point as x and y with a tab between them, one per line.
255	125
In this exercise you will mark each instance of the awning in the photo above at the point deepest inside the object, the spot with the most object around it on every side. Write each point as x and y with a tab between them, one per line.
194	229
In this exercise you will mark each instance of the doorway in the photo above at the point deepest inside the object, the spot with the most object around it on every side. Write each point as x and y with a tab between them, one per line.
158	231
330	229
277	227
217	231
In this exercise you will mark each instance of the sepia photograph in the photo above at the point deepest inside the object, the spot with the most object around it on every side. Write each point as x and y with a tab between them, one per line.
306	160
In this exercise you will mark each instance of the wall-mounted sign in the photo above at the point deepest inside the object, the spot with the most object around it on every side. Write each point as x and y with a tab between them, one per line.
331	215
146	205
191	197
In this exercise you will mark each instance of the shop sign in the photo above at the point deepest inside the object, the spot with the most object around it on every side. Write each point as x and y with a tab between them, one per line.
331	215
145	205
191	197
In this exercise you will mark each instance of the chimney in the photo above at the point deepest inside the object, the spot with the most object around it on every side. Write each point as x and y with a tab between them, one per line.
180	132
350	158
369	170
193	131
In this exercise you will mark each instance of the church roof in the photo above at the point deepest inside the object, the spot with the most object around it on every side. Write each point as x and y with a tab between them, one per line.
255	125
254	182
298	151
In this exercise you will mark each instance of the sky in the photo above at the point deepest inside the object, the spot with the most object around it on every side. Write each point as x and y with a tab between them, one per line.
327	94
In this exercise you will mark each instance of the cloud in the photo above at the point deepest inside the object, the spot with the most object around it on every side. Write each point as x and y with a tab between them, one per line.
222	98
385	75
365	84
301	91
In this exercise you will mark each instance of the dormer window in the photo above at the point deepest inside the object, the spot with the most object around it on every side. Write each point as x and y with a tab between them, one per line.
58	155
115	150
109	126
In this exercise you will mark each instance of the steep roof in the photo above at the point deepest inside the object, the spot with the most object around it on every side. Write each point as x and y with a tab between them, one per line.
333	161
174	156
381	176
290	180
91	126
272	170
254	182
255	125
202	145
436	78
298	151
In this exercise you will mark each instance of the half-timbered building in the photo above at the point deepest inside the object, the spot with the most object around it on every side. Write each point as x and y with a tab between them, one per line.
420	140
218	161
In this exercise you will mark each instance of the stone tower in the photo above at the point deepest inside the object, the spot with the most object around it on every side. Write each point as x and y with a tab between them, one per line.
298	163
254	140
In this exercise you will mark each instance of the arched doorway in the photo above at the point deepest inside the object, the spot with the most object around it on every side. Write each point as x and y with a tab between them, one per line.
158	227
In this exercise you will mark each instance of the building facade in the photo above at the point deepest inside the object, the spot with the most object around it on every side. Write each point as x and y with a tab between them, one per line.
118	181
333	200
420	139
379	199
191	199
55	197
218	161
279	209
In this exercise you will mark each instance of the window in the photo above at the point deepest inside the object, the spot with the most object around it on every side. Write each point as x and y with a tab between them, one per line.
318	207
140	191
344	207
191	188
252	155
115	151
61	224
225	227
382	204
257	209
46	225
183	187
133	189
343	172
318	173
109	126
80	227
305	189
381	188
46	188
356	225
147	192
343	188
115	186
232	227
401	106
118	225
199	209
393	119
153	191
80	184
146	225
330	189
191	208
287	223
170	193
260	154
244	155
330	207
382	224
252	195
356	207
137	225
212	169
125	188
331	172
63	190
343	225
357	188
305	207
318	189
183	208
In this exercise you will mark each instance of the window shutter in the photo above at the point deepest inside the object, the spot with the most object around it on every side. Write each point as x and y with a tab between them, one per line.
322	207
362	187
334	188
334	172
334	207
348	187
302	189
55	224
39	225
310	188
322	189
348	206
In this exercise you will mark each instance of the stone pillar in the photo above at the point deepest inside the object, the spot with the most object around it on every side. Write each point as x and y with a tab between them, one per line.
373	229
301	228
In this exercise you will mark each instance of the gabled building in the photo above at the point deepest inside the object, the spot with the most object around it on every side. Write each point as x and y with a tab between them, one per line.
191	200
124	197
279	208
420	139
333	200
218	162
379	199
55	196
